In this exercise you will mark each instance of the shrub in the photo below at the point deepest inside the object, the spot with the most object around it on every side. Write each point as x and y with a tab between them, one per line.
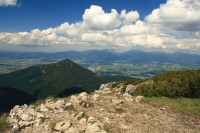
185	83
3	123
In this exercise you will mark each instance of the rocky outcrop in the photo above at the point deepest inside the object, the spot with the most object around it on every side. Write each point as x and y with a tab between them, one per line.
25	118
114	87
98	112
130	89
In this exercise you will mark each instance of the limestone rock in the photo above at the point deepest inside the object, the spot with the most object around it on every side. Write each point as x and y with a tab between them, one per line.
130	89
91	120
83	121
63	125
92	129
83	96
95	97
104	88
106	119
128	97
43	108
139	98
15	128
68	104
80	115
94	126
60	104
24	123
117	100
72	130
26	117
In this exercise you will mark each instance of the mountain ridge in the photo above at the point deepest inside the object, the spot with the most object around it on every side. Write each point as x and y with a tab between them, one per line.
45	80
134	56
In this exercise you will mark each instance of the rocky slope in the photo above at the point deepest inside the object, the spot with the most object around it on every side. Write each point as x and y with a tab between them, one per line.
104	111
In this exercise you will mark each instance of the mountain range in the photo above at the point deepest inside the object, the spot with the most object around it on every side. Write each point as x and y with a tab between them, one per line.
132	56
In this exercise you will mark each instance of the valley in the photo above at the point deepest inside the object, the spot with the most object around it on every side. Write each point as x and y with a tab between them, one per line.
105	62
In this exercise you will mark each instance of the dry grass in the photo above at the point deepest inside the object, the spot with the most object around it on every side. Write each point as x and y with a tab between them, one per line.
185	105
3	123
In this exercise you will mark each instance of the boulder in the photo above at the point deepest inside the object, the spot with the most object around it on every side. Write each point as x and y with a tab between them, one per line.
128	97
130	89
139	98
94	126
117	100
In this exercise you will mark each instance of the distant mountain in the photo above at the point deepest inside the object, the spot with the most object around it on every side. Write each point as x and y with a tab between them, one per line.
132	56
57	79
149	57
10	97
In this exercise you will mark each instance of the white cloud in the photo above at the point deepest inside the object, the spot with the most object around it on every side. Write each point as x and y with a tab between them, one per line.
95	18
130	17
177	14
8	2
122	30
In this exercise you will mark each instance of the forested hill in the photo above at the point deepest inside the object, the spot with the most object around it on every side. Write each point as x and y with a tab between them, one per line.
57	79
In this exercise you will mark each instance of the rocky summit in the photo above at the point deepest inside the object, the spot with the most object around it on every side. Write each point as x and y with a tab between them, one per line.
104	111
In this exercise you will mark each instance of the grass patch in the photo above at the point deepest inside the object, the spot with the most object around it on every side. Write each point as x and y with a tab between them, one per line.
3	123
40	101
123	90
119	110
187	105
110	94
71	109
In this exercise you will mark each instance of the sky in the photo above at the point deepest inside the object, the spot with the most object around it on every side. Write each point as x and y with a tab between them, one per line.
121	25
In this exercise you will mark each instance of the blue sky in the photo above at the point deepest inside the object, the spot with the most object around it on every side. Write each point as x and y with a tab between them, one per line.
43	14
61	25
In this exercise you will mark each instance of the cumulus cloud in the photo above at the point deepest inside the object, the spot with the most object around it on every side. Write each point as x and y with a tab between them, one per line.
177	14
122	30
8	2
95	18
